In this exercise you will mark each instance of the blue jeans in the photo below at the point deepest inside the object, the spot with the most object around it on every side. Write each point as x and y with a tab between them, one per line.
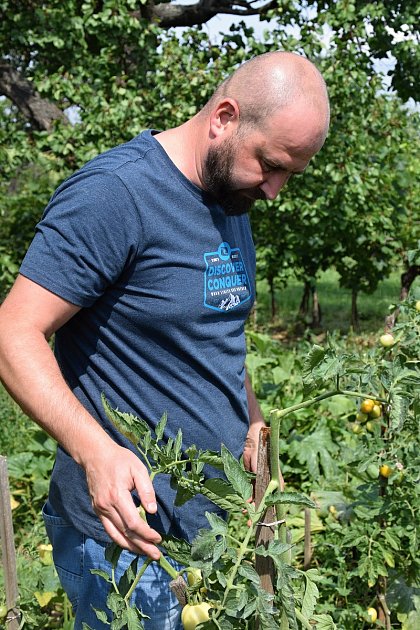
76	554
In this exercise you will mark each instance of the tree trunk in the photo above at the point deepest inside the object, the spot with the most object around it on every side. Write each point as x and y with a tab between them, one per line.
272	299
354	312
407	279
304	304
316	308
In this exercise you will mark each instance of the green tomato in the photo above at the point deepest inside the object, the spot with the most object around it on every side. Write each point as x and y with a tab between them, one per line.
376	411
387	340
418	305
373	471
192	616
193	576
3	611
361	417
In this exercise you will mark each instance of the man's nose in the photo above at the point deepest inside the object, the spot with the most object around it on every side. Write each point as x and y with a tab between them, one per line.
274	183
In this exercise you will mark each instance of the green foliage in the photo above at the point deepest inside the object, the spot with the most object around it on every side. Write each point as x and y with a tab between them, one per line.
115	73
30	456
225	561
365	538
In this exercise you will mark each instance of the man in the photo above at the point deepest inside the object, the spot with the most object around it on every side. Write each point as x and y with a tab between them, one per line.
116	270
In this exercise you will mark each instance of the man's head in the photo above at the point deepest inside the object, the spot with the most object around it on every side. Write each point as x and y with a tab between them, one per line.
265	123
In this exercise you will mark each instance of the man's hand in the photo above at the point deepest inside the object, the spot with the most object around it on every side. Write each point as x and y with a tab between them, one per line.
112	475
251	445
256	423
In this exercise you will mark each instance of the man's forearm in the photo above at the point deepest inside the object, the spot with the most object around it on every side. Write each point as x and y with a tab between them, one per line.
31	375
254	410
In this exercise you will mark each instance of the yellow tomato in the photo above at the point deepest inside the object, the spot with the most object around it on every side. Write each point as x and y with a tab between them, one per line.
372	614
385	470
367	405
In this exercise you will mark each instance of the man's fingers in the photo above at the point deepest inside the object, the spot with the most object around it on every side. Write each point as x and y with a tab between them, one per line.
131	524
130	541
145	491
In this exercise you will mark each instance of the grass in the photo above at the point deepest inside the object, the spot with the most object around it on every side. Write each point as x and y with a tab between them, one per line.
335	304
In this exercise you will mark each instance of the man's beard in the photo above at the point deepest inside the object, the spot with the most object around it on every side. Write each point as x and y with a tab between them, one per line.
217	179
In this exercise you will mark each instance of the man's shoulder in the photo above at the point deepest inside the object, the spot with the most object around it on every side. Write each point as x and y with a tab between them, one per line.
123	155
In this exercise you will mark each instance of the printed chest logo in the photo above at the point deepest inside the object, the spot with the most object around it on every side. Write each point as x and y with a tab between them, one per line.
226	281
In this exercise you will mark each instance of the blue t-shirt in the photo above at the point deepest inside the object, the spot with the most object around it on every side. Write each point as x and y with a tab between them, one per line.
165	281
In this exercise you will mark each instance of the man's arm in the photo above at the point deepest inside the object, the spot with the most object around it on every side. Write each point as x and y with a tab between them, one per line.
256	423
28	317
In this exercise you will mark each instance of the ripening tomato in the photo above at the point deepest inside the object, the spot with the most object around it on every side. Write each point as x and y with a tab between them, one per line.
376	411
193	615
367	405
372	614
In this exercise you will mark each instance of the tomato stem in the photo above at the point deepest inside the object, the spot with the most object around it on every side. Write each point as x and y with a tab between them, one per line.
137	579
280	413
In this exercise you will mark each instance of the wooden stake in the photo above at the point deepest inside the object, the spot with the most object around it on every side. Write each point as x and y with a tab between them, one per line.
307	554
8	550
264	566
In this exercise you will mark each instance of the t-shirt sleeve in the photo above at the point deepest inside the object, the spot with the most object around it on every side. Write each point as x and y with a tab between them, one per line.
89	233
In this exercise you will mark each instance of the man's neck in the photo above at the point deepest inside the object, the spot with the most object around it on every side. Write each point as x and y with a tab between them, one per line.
183	148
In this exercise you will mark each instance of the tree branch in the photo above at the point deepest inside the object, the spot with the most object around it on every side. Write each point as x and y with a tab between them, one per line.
169	15
40	112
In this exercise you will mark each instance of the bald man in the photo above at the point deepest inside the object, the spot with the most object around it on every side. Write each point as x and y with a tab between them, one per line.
143	267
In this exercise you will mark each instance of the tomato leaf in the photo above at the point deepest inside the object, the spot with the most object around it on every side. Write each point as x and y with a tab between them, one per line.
221	493
112	554
160	427
236	475
310	598
101	615
128	577
130	426
177	548
324	622
248	572
292	498
399	412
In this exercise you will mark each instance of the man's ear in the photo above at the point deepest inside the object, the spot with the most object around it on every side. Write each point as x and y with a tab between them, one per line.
224	117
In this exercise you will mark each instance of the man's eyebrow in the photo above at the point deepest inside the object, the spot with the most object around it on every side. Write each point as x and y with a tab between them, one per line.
275	164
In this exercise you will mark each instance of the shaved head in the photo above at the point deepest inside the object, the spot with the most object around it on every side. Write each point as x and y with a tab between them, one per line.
271	82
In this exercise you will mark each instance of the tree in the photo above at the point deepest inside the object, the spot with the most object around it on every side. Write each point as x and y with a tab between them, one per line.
112	67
